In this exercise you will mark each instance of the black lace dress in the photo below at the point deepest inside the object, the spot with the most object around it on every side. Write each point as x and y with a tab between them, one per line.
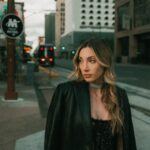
103	138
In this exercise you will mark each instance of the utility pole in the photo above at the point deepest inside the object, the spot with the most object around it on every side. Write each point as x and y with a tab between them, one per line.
11	93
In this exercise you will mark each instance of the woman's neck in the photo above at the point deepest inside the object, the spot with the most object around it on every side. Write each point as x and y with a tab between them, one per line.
96	85
95	89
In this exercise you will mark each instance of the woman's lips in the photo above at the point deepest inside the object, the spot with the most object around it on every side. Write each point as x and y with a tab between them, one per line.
87	75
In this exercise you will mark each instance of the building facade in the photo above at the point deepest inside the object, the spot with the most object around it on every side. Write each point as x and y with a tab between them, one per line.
132	31
59	21
88	15
86	18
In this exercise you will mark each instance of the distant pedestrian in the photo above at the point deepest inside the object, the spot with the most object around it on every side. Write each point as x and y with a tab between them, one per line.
90	112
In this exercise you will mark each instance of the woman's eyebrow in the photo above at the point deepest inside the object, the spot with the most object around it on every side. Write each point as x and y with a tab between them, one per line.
88	56
91	57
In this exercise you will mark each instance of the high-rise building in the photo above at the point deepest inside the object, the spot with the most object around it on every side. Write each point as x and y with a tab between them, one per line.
132	31
88	15
50	28
83	19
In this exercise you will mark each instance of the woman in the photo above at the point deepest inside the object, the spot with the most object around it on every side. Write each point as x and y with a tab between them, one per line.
90	112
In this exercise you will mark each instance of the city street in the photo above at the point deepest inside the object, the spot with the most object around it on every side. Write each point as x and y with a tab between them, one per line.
38	42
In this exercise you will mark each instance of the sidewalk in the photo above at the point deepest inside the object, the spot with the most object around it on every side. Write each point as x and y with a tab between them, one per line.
19	118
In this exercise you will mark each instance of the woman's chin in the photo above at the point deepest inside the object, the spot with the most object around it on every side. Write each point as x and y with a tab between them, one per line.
89	80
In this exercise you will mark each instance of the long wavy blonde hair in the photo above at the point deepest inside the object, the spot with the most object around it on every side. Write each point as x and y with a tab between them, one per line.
108	90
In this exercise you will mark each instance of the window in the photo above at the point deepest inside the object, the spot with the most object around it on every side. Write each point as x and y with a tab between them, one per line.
83	22
91	6
106	23
106	12
106	18
62	4
91	12
91	17
123	18
98	6
98	24
83	6
98	17
62	9
141	7
106	6
83	17
98	12
83	11
90	23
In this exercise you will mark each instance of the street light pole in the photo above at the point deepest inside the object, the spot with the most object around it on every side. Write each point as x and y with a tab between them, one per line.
11	94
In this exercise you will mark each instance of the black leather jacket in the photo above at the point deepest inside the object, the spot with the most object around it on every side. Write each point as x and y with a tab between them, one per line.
68	124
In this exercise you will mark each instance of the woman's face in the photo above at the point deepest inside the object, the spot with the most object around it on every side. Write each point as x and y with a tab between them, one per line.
89	65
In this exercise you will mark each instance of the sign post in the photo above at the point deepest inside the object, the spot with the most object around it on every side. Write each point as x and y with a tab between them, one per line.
12	26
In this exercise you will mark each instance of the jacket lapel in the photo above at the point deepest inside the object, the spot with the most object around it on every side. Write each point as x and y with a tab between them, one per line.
83	100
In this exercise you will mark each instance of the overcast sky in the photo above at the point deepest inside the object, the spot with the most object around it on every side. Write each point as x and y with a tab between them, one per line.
34	16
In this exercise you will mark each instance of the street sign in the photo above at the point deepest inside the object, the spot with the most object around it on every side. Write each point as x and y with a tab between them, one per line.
12	25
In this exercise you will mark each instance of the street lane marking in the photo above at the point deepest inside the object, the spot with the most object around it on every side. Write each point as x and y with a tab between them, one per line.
51	72
136	90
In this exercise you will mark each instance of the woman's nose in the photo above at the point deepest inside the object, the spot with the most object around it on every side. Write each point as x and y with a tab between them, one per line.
85	66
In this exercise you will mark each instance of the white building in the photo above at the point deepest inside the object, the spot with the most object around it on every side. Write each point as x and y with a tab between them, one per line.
78	20
89	15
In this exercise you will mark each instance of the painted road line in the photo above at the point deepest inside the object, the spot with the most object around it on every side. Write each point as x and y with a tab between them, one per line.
51	72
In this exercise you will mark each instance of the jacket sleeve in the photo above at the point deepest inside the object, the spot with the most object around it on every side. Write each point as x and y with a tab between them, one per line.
128	124
52	139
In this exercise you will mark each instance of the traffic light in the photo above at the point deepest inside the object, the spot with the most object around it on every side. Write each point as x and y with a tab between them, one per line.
51	48
73	52
51	55
54	47
41	48
63	48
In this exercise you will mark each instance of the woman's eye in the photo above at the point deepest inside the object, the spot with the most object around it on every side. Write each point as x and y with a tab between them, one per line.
80	60
92	60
